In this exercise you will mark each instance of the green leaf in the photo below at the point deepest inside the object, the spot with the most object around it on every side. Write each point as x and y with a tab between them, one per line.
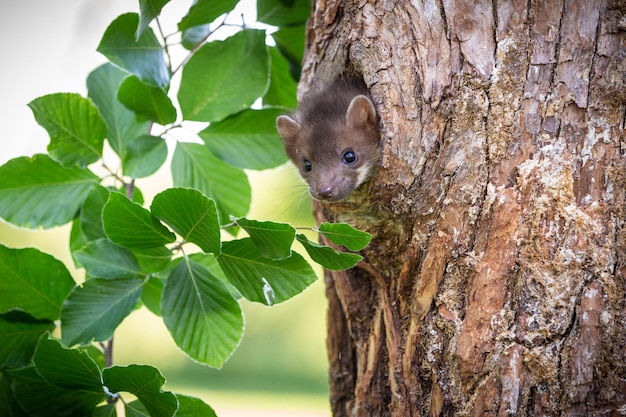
149	10
66	368
130	225
39	398
282	13
103	259
8	405
203	318
77	240
20	333
191	214
192	407
39	192
345	235
94	310
209	262
145	156
328	257
107	410
91	213
96	354
136	409
273	240
33	281
282	90
142	56
76	129
153	259
290	42
136	195
123	124
224	77
194	35
194	166
205	11
151	295
261	279
145	383
146	100
247	139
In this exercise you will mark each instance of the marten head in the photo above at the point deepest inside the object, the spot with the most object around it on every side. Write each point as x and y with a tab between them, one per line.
333	139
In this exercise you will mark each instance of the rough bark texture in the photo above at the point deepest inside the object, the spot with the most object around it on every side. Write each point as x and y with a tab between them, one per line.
495	282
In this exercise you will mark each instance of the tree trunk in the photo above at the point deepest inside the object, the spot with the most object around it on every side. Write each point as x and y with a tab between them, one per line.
495	282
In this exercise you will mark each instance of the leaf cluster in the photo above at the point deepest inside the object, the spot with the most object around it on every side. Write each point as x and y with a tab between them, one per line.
174	256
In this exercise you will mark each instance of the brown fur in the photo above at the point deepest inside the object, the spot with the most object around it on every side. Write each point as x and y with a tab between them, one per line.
328	124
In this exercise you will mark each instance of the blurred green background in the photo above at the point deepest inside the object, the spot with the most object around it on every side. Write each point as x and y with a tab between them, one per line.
280	366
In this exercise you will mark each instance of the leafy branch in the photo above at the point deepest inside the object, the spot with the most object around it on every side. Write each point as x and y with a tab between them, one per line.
168	256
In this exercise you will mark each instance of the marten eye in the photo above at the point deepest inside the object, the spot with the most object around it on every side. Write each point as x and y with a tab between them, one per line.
349	157
307	165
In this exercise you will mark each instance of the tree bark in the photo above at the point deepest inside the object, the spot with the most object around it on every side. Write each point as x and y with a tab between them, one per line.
496	278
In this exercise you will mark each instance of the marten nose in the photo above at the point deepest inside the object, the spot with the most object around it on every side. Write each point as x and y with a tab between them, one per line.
325	193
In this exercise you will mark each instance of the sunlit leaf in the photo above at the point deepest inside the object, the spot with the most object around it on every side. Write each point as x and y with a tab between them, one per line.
151	295
209	261
262	279
94	310
103	259
191	214
146	100
40	398
123	124
149	10
106	410
328	257
282	13
282	89
91	213
273	240
33	281
145	383
192	407
75	126
39	192
213	88
142	56
66	368
194	166
345	235
205	11
203	318
135	409
247	139
194	35
96	354
130	225
152	259
145	156
290	41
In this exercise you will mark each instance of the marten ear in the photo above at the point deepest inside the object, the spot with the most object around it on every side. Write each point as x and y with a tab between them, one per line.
361	112
287	128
